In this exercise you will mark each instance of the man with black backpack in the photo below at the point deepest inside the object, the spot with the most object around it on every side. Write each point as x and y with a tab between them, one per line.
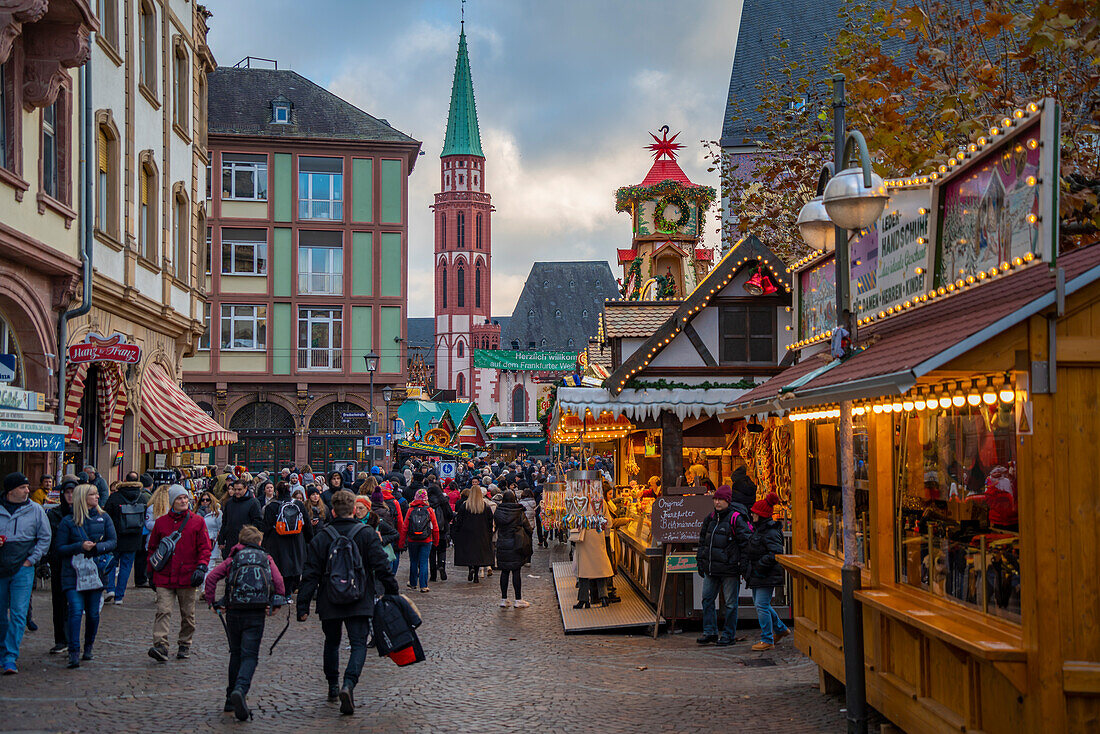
126	508
345	566
253	586
723	539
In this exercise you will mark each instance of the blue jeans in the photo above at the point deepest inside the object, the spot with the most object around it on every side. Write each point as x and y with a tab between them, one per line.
396	561
245	630
81	603
770	623
358	628
731	588
15	600
123	563
418	564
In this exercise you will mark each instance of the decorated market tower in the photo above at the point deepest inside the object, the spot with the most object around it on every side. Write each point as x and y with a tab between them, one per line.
668	212
463	242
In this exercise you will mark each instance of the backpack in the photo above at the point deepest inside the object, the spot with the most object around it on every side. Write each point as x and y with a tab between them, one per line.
289	519
167	546
419	525
249	584
345	576
131	517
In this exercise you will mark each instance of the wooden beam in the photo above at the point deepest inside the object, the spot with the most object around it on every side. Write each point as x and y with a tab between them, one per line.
700	347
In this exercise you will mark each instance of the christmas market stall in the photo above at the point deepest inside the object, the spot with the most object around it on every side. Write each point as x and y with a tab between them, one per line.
973	380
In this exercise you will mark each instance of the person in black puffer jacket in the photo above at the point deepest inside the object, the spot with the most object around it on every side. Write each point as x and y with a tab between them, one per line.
57	595
765	573
240	509
129	532
513	547
287	548
441	506
723	539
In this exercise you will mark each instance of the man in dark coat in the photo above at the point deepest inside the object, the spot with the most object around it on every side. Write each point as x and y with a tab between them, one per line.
57	595
723	538
240	509
441	506
288	551
129	535
355	616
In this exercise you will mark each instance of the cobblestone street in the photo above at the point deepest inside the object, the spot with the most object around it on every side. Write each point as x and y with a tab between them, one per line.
488	670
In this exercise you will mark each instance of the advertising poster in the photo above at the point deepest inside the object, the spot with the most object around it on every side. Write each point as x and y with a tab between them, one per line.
817	299
885	260
984	211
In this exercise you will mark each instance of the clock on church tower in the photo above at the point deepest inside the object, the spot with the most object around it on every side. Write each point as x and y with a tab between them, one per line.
667	212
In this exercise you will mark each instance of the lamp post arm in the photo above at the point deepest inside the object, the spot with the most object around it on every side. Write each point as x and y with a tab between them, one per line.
823	177
856	137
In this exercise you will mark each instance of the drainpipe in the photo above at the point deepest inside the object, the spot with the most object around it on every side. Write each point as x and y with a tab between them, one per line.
84	207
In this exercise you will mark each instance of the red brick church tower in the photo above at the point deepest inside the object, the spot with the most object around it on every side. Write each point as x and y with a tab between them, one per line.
463	242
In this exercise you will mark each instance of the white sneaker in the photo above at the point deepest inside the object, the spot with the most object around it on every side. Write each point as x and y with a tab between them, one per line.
504	603
118	602
521	604
109	596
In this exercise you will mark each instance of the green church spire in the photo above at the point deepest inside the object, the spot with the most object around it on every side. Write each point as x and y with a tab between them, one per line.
463	137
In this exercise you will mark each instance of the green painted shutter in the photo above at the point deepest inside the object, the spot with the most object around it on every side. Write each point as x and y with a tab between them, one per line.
281	338
389	350
362	264
362	329
390	262
362	189
284	204
391	191
281	270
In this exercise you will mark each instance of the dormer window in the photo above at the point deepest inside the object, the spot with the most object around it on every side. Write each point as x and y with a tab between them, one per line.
282	114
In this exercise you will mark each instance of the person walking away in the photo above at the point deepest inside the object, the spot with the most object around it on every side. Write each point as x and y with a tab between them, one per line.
140	558
472	532
126	508
87	533
365	513
513	546
177	578
60	605
286	534
397	517
252	585
765	573
25	534
723	539
240	509
345	566
437	557
421	533
41	494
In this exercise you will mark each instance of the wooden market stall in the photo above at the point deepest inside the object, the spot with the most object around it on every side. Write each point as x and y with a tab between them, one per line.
976	427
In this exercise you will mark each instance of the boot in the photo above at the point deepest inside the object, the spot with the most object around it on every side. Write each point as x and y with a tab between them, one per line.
74	659
347	699
240	706
333	691
442	574
87	652
159	653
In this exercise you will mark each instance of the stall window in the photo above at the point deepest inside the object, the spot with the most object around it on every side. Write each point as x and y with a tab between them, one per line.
956	497
747	334
826	513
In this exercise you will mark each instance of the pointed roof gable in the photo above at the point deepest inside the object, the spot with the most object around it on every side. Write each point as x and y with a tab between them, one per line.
463	136
665	170
739	256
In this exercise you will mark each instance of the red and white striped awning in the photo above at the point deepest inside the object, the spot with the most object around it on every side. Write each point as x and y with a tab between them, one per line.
110	392
171	421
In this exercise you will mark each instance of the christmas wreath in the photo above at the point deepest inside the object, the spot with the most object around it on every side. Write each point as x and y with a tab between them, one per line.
667	225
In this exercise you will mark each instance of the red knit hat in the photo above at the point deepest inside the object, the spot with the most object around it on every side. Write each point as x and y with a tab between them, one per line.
766	507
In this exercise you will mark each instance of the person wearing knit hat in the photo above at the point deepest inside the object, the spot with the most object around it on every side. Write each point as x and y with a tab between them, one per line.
765	573
723	538
26	533
421	532
362	508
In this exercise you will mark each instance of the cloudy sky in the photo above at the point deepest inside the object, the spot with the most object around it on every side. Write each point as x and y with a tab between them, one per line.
567	93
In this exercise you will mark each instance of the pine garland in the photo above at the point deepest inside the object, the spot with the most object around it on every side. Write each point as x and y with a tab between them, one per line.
666	385
628	196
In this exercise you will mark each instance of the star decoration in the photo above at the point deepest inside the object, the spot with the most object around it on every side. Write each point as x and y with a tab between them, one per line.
664	147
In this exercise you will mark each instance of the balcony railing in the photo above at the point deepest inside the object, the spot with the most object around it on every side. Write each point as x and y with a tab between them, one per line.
327	284
320	358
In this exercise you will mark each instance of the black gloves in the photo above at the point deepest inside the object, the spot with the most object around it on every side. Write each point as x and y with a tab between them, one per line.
198	575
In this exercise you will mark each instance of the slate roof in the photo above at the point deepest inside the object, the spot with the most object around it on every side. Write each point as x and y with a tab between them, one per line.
240	104
635	319
463	136
560	301
421	333
924	339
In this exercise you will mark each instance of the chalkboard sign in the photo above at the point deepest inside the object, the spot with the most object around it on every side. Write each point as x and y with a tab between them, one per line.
678	519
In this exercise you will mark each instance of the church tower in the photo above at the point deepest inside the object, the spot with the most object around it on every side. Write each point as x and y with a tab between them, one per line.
463	242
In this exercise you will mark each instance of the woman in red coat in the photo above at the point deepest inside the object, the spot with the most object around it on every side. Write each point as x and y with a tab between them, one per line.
179	580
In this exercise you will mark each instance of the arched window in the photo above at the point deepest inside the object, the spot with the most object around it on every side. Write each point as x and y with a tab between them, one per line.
477	288
570	343
181	236
460	286
544	342
519	404
461	231
557	313
477	231
443	285
181	98
584	313
460	385
107	179
147	211
461	350
443	230
147	45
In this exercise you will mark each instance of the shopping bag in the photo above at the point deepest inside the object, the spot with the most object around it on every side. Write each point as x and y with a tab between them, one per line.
87	573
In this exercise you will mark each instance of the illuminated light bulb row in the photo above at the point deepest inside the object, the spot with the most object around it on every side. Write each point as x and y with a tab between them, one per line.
815	415
812	340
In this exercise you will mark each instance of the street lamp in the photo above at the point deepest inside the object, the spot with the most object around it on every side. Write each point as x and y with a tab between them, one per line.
387	395
372	364
852	200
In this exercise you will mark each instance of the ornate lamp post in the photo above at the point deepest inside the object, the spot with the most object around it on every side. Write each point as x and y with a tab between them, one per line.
850	200
372	364
387	395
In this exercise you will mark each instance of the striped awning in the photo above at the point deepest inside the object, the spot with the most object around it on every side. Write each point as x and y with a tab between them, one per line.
171	421
110	396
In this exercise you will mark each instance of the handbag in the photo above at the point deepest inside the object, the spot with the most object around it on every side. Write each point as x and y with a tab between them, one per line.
87	572
389	552
167	546
102	561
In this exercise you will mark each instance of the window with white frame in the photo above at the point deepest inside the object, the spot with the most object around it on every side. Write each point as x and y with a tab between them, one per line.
244	327
320	188
244	177
244	251
181	238
280	113
320	263
50	151
181	99
320	338
209	247
204	340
